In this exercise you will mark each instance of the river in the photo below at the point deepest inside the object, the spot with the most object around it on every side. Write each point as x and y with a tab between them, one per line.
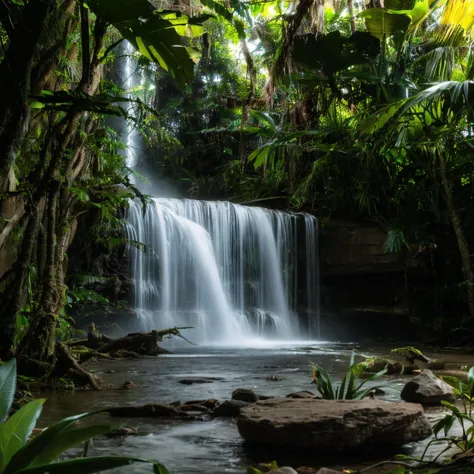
214	447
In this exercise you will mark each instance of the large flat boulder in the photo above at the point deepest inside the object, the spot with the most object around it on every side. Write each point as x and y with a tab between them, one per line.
332	425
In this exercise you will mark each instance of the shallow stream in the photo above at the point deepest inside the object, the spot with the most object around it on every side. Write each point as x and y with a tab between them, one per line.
214	447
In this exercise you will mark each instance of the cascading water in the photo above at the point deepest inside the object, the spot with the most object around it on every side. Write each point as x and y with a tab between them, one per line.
312	274
227	269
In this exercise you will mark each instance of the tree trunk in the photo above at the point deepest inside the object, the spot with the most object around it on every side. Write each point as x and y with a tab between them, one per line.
39	342
15	78
459	231
350	6
14	294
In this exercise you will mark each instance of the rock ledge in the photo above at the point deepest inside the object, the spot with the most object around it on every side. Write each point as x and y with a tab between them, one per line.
332	425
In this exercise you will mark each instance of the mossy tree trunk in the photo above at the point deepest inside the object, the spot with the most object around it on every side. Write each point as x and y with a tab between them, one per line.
51	209
463	245
15	77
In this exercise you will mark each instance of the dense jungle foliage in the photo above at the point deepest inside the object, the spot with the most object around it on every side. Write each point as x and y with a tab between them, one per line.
340	108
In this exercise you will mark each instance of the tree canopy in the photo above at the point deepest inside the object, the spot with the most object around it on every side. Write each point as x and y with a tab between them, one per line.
337	108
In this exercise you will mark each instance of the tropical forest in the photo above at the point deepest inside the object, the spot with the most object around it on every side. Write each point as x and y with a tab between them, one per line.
237	236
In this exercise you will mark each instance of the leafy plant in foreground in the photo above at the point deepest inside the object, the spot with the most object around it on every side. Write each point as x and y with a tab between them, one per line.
21	453
463	442
465	393
351	388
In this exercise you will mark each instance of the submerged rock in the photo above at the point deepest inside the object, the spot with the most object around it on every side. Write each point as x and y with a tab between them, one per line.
313	470
283	470
325	470
264	397
273	378
128	385
209	403
427	389
302	394
199	380
229	408
245	395
153	410
436	364
124	431
332	425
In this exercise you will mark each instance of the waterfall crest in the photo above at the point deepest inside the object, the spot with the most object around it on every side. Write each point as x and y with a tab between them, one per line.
227	269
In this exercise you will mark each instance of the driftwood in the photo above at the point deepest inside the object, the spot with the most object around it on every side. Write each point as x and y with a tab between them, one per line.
69	355
132	345
141	343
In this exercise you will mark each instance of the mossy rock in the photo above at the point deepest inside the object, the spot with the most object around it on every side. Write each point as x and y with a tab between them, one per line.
436	364
373	365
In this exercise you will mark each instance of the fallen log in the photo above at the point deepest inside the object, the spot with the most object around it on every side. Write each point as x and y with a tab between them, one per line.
141	343
132	345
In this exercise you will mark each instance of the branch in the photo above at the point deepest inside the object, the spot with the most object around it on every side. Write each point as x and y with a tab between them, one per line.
86	53
110	48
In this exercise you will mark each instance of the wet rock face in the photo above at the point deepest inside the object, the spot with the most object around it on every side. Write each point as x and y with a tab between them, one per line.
427	389
199	380
245	395
332	425
229	408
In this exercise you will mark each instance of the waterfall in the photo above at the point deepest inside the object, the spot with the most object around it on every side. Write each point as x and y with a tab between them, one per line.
312	274
232	271
229	270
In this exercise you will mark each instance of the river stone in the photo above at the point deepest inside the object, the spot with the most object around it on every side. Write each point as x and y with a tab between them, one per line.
283	470
427	389
198	380
245	395
332	425
124	431
229	408
435	364
128	385
302	394
312	470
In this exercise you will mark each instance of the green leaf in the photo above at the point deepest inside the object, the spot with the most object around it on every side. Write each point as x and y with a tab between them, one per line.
264	118
260	155
69	438
7	387
452	407
159	469
142	48
470	375
342	389
399	4
382	24
157	35
454	382
90	465
28	453
253	470
220	9
15	432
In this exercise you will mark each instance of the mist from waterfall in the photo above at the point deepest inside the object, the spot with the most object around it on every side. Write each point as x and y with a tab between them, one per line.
229	270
